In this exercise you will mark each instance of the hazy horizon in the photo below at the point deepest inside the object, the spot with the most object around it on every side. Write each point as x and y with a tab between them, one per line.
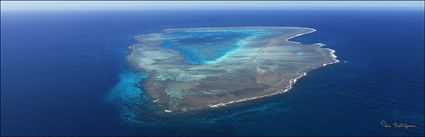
143	5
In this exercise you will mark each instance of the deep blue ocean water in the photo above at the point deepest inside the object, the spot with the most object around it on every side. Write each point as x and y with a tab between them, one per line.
59	69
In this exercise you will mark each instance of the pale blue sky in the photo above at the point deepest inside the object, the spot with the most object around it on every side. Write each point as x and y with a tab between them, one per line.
99	5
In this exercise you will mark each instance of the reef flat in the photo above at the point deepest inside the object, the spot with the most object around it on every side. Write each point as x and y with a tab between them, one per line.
196	68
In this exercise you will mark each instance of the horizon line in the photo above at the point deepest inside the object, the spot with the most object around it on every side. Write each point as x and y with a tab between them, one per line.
144	5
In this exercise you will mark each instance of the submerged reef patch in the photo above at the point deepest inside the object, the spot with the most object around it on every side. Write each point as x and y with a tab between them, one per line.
196	68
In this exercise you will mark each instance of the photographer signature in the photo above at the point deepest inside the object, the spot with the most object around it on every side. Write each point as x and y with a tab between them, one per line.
386	124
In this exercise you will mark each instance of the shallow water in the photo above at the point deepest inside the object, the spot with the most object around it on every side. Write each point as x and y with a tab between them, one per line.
262	63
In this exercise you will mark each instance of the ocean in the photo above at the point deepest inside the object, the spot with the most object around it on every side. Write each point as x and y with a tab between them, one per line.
59	71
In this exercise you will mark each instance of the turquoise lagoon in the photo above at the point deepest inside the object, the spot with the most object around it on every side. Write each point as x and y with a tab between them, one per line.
201	47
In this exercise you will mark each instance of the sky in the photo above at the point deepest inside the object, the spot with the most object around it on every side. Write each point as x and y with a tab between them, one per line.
140	5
